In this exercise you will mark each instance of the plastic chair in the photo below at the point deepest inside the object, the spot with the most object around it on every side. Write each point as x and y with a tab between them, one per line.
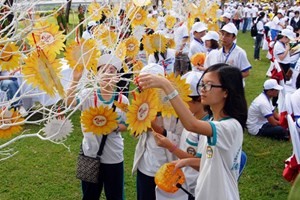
243	163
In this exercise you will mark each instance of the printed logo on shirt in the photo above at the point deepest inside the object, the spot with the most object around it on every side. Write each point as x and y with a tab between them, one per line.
191	151
209	152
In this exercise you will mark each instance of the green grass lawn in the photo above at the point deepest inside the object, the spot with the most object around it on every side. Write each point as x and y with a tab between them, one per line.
43	170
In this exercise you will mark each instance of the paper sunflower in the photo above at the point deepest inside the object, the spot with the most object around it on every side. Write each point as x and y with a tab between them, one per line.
171	44
184	91
43	71
138	17
109	39
170	21
121	106
47	36
168	4
147	44
8	121
121	51
9	56
159	42
137	66
95	11
58	129
132	46
152	23
142	111
141	2
198	59
83	55
100	121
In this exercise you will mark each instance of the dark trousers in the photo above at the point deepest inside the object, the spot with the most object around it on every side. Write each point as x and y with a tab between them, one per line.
112	178
275	132
258	40
145	187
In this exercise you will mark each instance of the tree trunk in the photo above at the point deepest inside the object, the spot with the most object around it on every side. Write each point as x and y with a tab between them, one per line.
68	8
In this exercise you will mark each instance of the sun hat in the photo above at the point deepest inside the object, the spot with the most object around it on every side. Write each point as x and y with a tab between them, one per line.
199	27
192	78
288	33
110	59
153	68
272	84
211	35
230	28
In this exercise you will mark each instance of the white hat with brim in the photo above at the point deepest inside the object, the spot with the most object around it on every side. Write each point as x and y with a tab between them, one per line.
110	59
288	33
227	15
199	27
153	68
281	11
192	78
272	84
230	28
211	35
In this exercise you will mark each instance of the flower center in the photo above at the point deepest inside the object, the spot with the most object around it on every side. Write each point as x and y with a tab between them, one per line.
138	16
99	120
6	53
47	38
131	47
6	123
143	111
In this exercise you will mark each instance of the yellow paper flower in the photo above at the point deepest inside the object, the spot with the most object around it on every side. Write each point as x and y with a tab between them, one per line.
121	51
100	121
147	44
95	11
170	21
47	36
141	2
43	71
121	106
137	66
109	39
198	59
132	46
9	56
142	111
159	42
171	44
138	16
152	23
184	91
168	4
83	55
8	121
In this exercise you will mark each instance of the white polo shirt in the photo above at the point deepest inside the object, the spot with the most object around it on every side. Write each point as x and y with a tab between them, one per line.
181	33
295	101
220	162
260	109
279	49
113	148
197	46
275	25
210	58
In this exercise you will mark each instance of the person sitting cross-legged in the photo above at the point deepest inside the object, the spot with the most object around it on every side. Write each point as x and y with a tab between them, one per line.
263	120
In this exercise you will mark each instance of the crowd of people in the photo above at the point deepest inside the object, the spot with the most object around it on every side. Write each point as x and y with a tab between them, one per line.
205	140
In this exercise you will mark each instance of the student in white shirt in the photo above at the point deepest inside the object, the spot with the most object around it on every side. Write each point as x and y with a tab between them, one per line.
89	32
277	25
221	89
260	35
112	160
262	119
211	40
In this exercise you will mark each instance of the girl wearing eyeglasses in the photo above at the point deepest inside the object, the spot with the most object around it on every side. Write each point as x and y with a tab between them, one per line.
222	92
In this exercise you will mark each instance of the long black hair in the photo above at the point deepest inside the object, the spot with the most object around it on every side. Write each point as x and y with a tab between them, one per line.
232	81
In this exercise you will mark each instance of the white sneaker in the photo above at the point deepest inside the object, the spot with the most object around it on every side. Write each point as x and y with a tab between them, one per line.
22	111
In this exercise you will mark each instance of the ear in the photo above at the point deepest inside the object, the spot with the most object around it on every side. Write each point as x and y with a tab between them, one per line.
225	94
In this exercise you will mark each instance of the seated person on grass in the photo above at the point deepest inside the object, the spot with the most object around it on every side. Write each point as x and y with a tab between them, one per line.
263	120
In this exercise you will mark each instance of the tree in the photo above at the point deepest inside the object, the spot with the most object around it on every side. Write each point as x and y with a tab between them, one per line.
68	8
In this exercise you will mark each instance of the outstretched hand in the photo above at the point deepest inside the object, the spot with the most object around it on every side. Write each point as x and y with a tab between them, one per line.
146	81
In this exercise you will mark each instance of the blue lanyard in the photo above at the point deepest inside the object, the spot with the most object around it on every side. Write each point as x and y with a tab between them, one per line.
230	51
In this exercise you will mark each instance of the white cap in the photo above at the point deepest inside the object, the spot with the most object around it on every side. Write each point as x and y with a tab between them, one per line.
290	27
153	68
230	28
272	84
199	27
288	33
92	23
281	11
227	15
110	59
192	78
211	35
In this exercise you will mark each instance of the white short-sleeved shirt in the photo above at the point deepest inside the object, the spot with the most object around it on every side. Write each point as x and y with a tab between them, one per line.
210	58
167	63
113	149
220	162
181	33
237	57
295	102
275	24
279	48
260	109
196	46
260	27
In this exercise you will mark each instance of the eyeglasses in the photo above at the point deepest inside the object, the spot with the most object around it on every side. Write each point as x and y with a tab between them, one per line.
207	86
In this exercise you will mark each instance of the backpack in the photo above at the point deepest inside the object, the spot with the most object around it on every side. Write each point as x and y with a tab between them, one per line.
253	30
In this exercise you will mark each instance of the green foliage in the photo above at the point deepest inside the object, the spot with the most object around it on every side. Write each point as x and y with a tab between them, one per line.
42	170
295	191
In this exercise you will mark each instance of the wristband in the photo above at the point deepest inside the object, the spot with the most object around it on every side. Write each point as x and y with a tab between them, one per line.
171	96
173	148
